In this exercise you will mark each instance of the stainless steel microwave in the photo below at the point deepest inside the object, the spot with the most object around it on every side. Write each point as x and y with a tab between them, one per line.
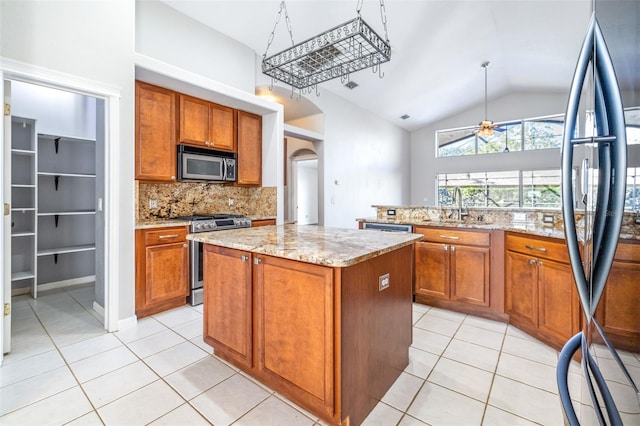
201	164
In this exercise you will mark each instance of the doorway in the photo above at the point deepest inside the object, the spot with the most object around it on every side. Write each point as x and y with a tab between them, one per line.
54	155
305	182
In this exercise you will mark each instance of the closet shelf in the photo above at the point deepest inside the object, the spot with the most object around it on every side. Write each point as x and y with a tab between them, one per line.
44	136
24	275
62	250
23	234
24	209
23	152
78	175
67	213
20	185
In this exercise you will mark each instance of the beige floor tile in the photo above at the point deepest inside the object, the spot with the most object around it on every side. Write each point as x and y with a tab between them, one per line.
35	388
30	367
495	417
382	415
429	341
526	401
199	377
190	329
419	307
420	362
470	381
142	406
178	316
437	405
55	410
274	412
487	324
26	348
402	392
116	384
102	363
415	316
175	358
447	314
89	419
89	347
438	325
144	327
184	415
472	354
407	420
530	349
523	370
155	343
480	336
228	401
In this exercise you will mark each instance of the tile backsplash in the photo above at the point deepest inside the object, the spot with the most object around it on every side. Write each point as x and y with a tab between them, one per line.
186	198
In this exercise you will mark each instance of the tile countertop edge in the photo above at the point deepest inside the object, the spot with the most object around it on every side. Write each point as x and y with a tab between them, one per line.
294	243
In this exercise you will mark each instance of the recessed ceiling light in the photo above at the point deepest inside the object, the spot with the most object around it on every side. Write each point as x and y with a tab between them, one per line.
351	84
404	117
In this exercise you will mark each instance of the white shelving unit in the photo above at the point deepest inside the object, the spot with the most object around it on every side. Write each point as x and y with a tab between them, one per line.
23	204
66	183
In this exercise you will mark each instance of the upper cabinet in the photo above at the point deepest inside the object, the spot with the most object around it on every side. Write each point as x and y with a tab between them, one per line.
249	149
206	124
155	155
165	118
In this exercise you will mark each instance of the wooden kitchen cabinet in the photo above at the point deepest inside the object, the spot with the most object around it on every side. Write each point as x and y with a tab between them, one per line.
162	269
617	312
228	305
155	136
263	222
540	294
206	124
453	265
249	148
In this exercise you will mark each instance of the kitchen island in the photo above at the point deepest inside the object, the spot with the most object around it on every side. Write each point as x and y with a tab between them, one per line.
321	315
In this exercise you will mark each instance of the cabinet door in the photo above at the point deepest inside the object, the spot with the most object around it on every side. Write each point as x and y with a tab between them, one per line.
618	308
222	127
167	267
155	133
249	149
227	303
470	274
521	295
431	276
295	328
194	121
558	304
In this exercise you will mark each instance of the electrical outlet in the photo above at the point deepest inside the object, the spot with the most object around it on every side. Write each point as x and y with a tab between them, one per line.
230	202
391	212
153	203
383	282
519	217
548	218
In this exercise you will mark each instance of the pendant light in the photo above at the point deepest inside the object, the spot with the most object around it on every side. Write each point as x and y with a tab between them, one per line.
486	126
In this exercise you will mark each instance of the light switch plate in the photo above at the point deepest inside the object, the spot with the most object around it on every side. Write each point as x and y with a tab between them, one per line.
548	218
153	203
519	217
391	212
383	282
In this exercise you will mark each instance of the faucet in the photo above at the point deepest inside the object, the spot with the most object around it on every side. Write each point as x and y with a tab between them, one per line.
457	197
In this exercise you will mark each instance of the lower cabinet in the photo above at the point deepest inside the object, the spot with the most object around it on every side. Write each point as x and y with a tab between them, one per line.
540	293
617	312
162	269
453	270
263	222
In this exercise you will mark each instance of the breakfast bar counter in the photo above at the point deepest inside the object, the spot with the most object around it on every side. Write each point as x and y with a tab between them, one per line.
321	315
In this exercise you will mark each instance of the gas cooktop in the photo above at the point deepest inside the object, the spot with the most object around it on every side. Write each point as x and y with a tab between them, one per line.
202	222
206	216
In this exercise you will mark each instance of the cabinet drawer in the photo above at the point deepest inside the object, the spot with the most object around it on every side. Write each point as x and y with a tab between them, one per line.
450	236
165	236
538	247
628	252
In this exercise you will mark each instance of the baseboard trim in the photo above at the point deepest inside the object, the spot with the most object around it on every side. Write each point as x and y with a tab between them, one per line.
98	308
66	283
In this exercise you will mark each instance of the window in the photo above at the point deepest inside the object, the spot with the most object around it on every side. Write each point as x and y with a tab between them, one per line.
520	135
531	188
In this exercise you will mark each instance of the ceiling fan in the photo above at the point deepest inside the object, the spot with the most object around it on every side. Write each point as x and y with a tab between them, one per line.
485	127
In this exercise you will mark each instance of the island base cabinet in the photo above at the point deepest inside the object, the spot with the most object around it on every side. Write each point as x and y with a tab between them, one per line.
228	306
332	340
294	305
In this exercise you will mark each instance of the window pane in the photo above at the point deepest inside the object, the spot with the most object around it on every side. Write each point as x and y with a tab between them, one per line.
456	142
543	133
541	188
506	135
483	189
632	120
632	198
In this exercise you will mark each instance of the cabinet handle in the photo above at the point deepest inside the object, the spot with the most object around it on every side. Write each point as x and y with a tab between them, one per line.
162	237
244	258
445	247
185	245
539	263
257	260
530	247
453	248
173	178
450	237
532	261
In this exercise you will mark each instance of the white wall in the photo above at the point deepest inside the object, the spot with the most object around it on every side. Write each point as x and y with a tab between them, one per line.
363	161
58	112
168	35
425	165
94	41
306	175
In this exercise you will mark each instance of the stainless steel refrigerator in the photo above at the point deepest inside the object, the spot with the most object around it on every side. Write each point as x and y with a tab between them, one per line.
603	106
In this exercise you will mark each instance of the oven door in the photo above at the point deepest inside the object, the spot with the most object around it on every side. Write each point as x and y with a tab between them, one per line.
197	268
201	167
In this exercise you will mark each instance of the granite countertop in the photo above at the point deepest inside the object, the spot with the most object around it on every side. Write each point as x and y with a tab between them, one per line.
148	224
310	243
525	227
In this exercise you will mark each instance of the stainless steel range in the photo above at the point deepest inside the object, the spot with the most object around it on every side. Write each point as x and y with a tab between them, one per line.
207	223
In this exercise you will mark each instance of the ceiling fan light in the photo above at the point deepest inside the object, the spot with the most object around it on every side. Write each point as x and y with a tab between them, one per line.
486	128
